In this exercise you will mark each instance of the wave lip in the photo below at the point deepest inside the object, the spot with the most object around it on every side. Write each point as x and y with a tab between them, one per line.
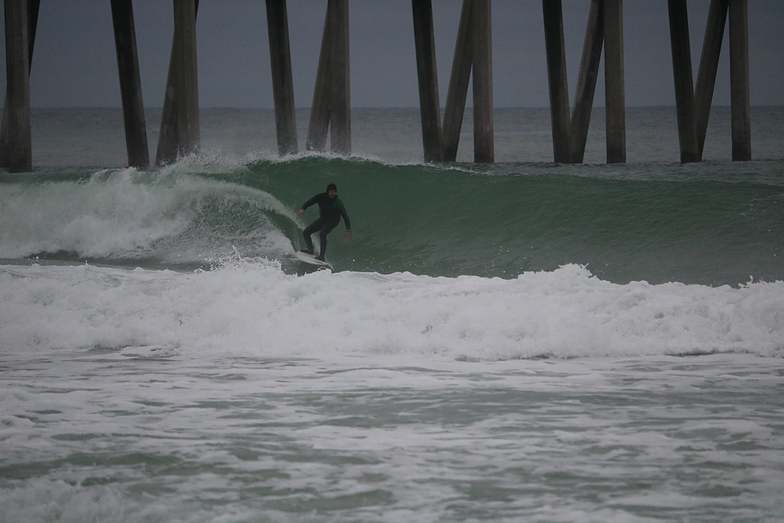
257	309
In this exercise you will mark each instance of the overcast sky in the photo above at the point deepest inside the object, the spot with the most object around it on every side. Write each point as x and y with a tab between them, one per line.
75	63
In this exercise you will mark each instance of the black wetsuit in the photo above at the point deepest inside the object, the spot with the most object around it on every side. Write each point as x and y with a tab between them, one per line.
330	212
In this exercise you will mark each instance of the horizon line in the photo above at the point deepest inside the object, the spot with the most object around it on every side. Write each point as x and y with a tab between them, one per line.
408	107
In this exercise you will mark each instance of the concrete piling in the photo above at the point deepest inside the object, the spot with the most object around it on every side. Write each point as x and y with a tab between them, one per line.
557	78
186	84
331	108
484	146
18	153
458	84
682	75
739	80
340	81
32	23
615	99
427	75
321	106
586	81
168	140
709	65
282	81
130	83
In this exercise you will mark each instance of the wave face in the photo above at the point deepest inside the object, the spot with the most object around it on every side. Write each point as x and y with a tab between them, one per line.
703	224
245	308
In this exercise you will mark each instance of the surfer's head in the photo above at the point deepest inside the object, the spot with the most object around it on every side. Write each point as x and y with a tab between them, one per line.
332	190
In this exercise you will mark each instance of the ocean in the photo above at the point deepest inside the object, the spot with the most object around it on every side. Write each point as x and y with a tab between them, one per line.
521	341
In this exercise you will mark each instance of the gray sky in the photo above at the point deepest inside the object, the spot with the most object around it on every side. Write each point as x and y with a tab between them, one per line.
75	64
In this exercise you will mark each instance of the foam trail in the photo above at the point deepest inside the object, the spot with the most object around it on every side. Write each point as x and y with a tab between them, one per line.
128	214
255	308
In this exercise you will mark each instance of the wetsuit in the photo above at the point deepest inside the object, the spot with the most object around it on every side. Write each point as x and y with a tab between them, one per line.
330	212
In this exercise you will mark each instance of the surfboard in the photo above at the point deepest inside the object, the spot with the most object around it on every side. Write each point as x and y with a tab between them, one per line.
312	260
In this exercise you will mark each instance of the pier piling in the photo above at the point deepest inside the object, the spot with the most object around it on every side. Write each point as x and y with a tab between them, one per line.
340	81
739	80
18	146
682	75
586	81
321	106
331	108
427	75
168	139
484	146
130	84
557	78
32	23
458	84
615	101
186	84
709	65
282	82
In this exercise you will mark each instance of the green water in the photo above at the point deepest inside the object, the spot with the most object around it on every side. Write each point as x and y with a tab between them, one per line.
657	223
707	223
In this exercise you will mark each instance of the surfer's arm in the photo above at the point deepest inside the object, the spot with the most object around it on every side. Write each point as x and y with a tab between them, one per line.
310	202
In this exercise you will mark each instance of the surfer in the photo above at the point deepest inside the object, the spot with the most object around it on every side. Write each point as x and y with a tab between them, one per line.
331	209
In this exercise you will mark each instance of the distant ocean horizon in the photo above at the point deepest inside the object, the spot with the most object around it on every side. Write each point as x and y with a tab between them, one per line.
95	136
360	107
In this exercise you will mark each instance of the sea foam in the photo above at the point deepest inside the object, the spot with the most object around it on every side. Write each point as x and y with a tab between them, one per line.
253	307
130	214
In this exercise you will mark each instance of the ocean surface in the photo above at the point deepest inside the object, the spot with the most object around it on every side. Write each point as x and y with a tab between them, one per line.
522	341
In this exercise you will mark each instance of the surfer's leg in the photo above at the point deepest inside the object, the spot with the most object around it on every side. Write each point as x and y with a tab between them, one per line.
325	230
310	229
323	245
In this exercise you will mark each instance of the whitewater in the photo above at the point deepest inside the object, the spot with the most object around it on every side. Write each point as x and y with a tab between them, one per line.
517	342
244	393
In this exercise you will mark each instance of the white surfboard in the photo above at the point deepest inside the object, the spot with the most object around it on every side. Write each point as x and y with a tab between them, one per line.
312	260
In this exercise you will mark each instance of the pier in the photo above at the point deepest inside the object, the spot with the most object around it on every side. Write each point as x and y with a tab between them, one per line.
471	66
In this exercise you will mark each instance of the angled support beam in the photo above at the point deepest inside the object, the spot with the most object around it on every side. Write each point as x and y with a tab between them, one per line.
739	80
682	75
458	84
557	78
167	137
168	140
709	65
484	147
17	51
331	108
32	23
340	128
282	81
321	107
615	101
586	82
427	75
130	84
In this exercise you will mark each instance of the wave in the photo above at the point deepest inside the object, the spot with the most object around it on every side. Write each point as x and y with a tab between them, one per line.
656	223
254	308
